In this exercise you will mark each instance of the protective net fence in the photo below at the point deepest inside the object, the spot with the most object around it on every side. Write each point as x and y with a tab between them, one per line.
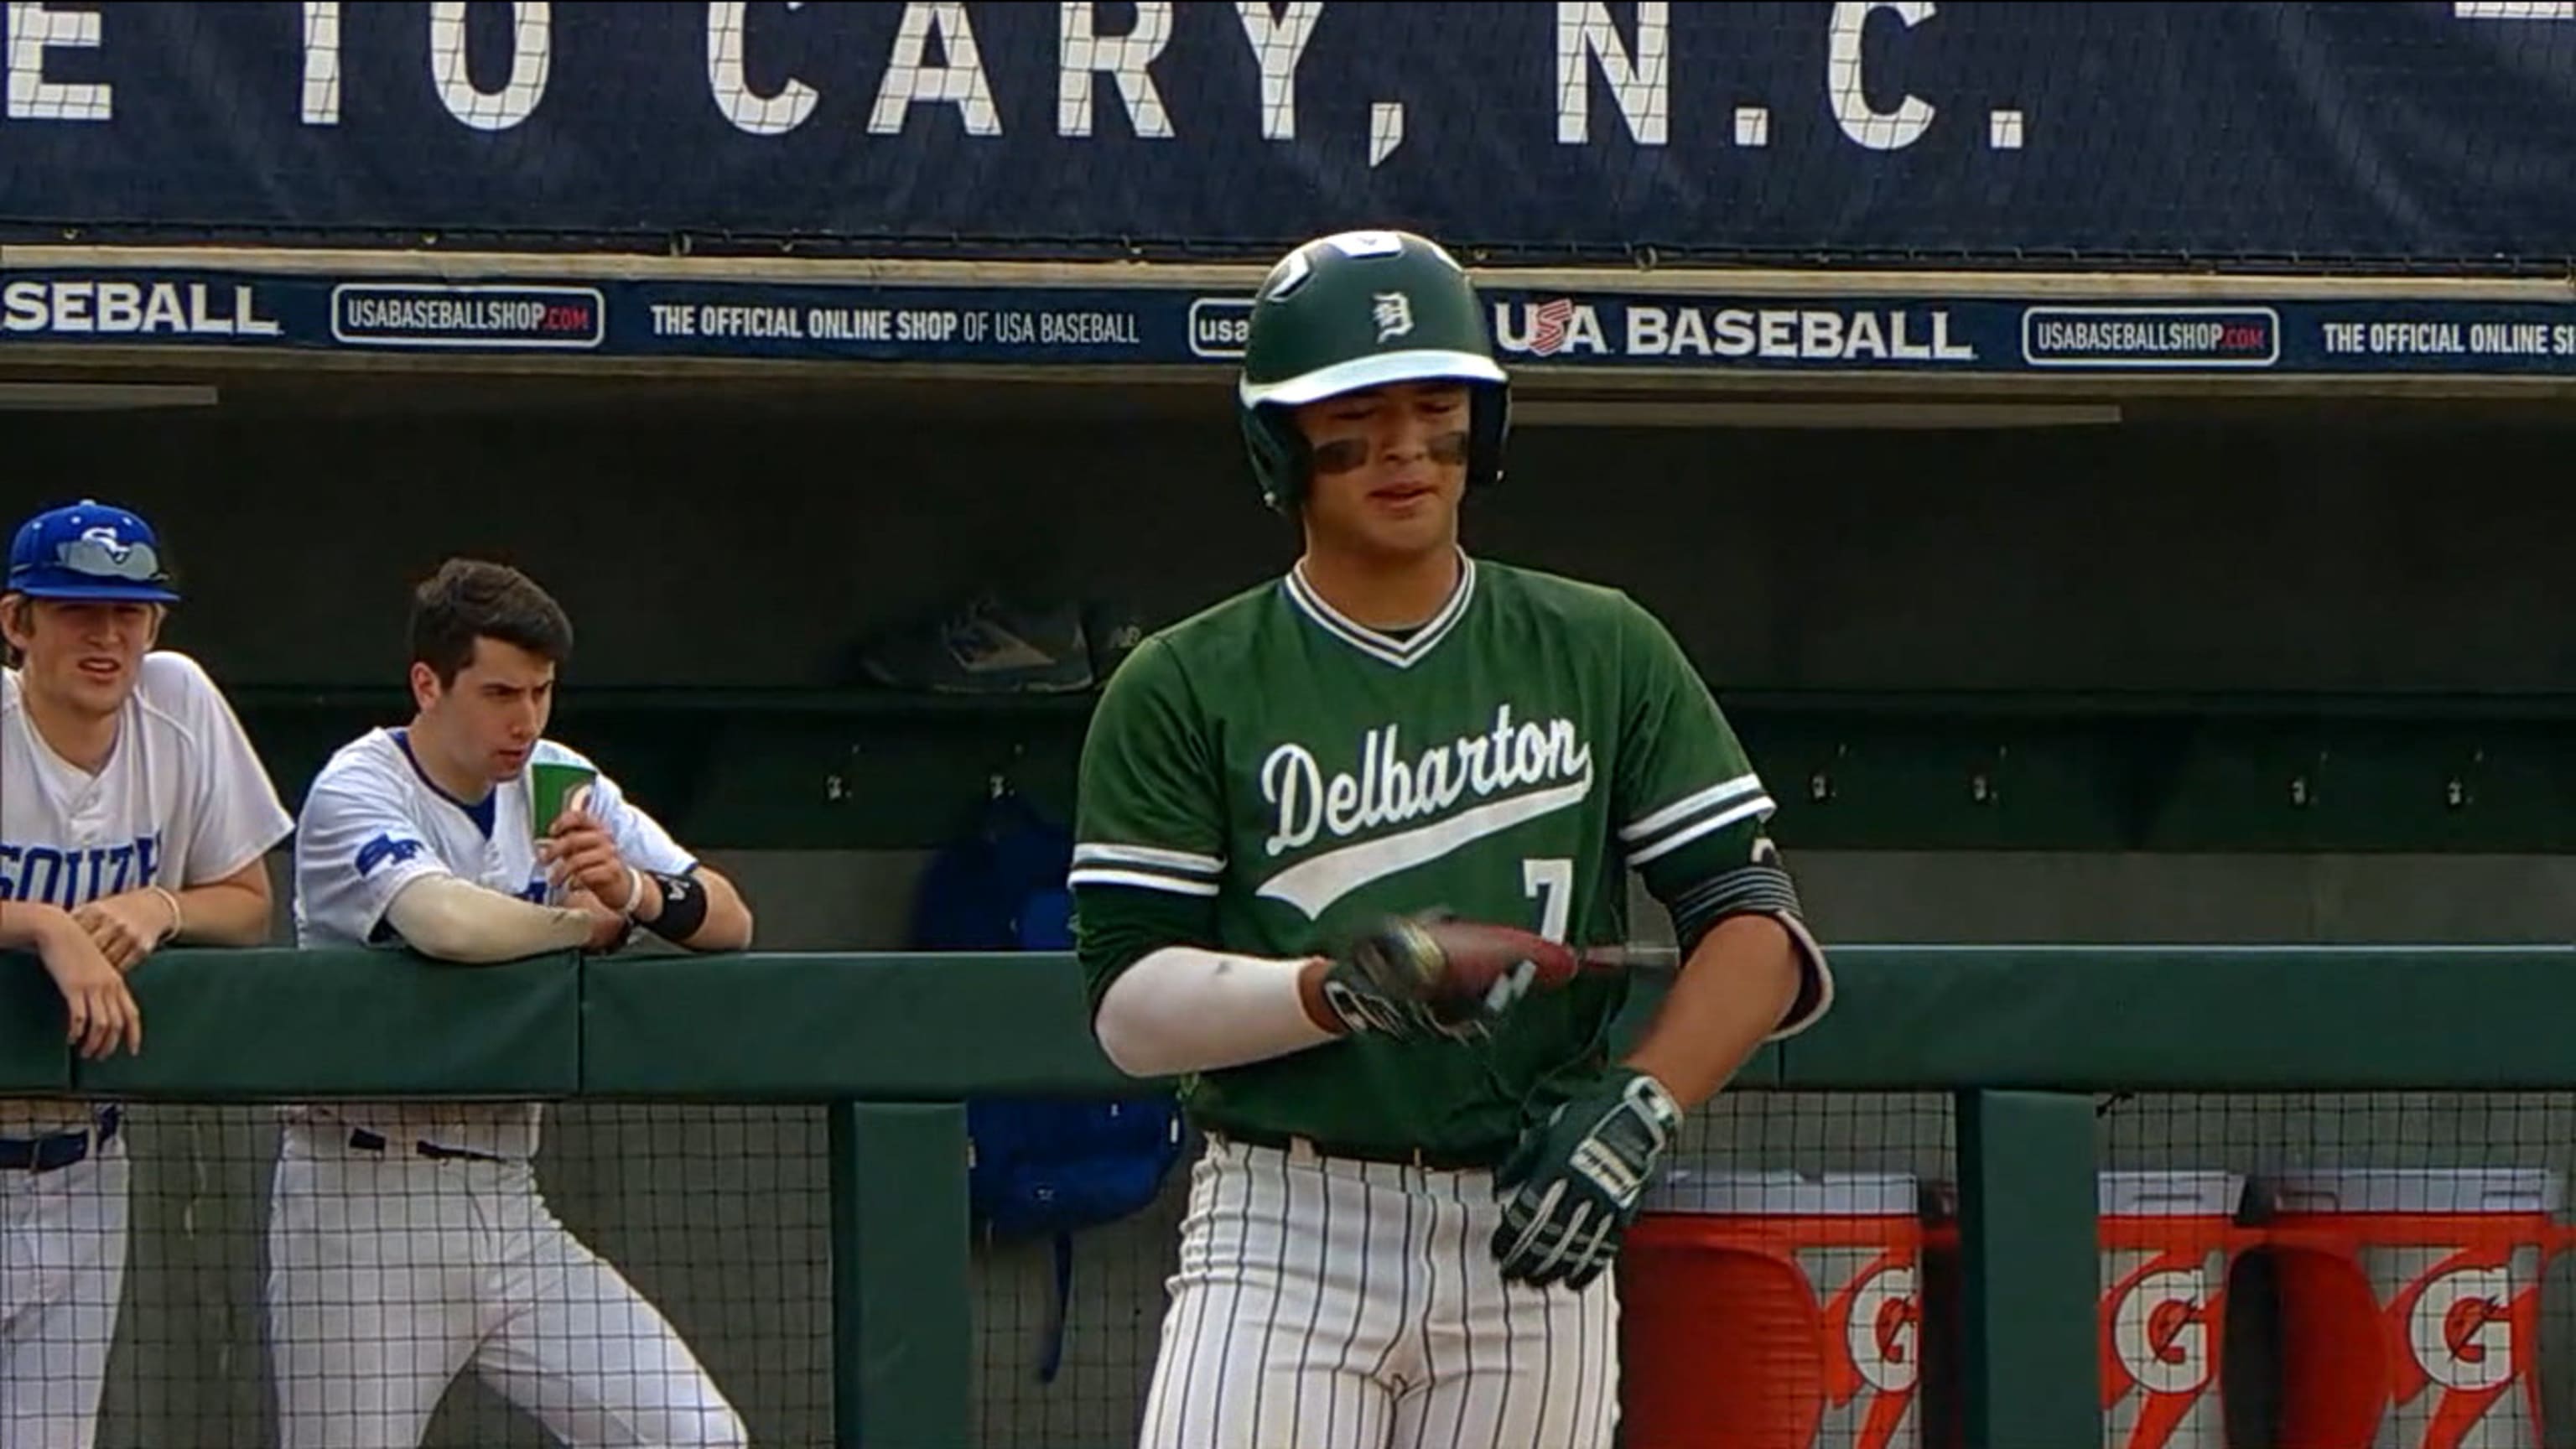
2293	1269
2275	1270
663	1265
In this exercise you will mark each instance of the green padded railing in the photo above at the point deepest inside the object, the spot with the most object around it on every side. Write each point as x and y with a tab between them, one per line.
2024	1037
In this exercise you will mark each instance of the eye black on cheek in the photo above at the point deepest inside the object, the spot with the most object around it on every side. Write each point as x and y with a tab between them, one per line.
1341	455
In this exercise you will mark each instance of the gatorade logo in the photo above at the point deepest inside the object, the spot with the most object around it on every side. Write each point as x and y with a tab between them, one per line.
2462	1330
1874	1320
1880	1329
2458	1325
2160	1331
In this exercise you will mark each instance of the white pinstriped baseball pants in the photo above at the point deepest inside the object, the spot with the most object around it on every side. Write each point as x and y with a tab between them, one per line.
1357	1304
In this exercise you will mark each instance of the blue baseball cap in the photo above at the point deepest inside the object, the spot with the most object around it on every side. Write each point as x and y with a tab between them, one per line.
88	550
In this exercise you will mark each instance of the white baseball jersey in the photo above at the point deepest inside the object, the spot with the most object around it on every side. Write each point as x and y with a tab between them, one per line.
373	823
182	800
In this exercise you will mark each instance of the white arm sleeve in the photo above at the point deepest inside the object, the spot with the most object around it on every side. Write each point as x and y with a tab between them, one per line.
449	919
1182	1009
356	848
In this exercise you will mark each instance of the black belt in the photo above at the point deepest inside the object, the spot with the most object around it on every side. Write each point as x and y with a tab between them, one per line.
366	1141
1434	1159
60	1149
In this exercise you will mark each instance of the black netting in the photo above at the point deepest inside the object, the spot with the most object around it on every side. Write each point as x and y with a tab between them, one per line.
667	1265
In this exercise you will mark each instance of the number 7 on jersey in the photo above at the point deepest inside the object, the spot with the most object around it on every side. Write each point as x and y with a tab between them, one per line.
1550	881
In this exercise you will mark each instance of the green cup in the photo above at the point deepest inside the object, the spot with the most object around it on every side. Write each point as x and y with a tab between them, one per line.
553	788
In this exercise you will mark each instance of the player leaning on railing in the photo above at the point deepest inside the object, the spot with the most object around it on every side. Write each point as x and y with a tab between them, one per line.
409	1241
1421	1153
133	812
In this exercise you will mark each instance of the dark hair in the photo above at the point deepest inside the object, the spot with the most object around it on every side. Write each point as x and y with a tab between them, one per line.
470	599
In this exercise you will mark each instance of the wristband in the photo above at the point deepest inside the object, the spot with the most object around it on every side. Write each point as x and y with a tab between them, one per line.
684	908
178	920
634	893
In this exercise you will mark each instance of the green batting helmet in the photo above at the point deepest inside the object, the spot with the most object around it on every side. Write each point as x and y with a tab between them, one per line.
1360	309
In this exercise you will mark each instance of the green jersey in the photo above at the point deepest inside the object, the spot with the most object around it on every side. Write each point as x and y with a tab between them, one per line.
1268	774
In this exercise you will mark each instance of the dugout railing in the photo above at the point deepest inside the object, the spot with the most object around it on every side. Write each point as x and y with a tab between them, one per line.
2027	1043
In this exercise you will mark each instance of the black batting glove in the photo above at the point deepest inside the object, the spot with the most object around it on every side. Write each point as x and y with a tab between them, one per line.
1576	1178
1383	979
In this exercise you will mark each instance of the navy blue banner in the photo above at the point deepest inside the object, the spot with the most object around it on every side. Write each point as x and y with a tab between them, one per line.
2383	133
1166	326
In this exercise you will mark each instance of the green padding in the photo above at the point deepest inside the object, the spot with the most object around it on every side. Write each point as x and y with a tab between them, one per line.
268	1023
33	1057
810	1027
2028	1270
827	1026
2143	1018
903	1287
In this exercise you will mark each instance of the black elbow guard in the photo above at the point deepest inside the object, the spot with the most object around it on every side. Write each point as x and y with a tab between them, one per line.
1762	888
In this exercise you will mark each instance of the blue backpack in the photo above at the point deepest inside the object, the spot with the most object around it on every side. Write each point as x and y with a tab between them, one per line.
1039	1167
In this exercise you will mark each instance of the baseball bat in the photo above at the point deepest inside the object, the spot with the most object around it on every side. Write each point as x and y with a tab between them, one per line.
1630	958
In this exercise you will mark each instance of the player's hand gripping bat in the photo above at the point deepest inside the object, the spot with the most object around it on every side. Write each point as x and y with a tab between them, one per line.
1411	976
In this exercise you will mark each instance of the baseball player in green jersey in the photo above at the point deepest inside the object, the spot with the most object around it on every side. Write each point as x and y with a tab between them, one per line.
1418	1166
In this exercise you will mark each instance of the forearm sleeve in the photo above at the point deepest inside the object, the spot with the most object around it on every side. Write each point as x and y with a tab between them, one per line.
1183	1009
450	919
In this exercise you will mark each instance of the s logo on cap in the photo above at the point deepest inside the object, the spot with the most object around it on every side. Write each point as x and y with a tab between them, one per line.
89	550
